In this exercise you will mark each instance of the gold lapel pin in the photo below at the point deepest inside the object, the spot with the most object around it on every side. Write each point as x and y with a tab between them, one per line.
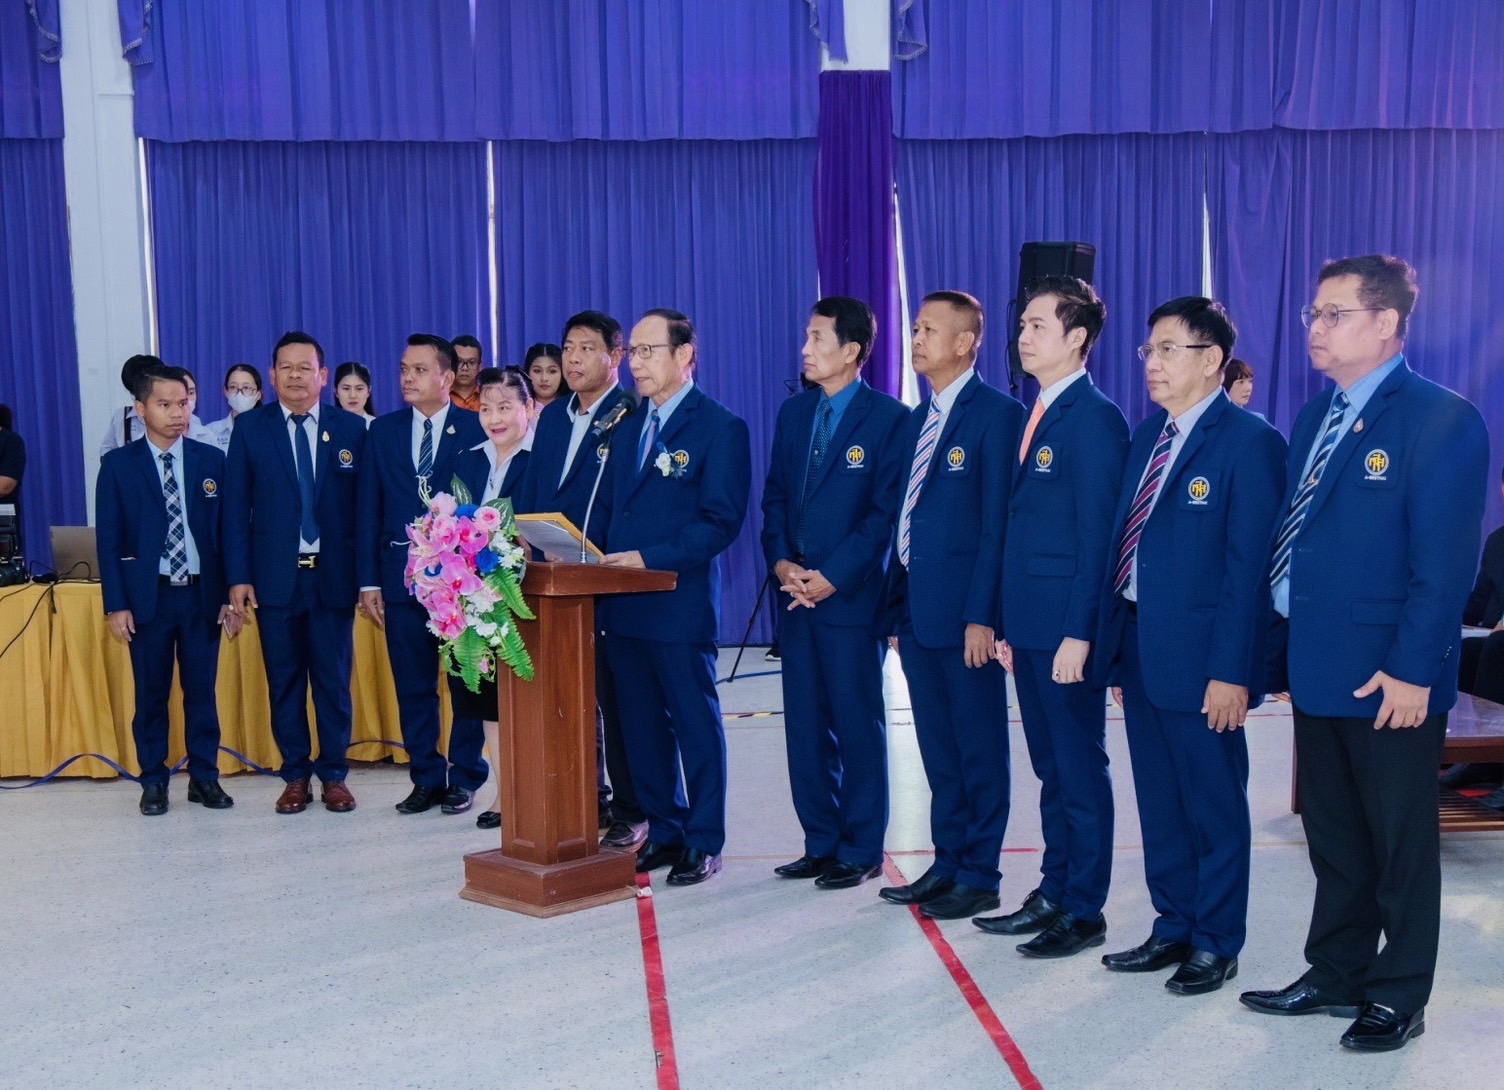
326	437
1357	427
449	430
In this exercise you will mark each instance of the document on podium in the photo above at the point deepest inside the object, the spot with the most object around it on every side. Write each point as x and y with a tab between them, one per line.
556	537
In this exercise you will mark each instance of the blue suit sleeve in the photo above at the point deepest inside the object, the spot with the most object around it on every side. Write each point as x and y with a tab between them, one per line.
368	519
999	455
775	497
107	534
859	554
236	510
1095	484
723	504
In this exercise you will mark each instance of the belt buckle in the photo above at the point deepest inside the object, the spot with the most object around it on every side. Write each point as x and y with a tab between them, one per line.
308	562
180	581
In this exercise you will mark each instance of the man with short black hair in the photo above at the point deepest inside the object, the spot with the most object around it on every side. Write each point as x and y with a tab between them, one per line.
467	364
1372	560
828	510
416	444
1059	531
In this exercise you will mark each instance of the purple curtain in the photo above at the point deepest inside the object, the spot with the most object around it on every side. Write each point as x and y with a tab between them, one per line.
358	244
31	95
645	70
827	21
855	230
968	206
719	229
301	70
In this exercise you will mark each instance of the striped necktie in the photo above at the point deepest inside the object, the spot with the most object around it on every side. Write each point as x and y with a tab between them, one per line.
425	451
929	436
175	548
1138	514
1285	542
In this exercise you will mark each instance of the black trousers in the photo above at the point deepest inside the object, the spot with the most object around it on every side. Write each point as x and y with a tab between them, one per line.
1369	806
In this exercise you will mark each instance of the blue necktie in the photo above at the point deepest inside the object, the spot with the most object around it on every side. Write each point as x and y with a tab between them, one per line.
649	441
817	451
425	451
309	527
1284	544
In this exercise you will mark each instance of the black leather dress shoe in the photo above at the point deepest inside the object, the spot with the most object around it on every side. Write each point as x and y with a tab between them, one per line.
1299	998
154	799
959	904
208	793
625	835
926	887
1383	1029
846	875
1202	972
652	856
1035	915
456	800
694	866
488	819
1065	936
1153	954
421	799
806	866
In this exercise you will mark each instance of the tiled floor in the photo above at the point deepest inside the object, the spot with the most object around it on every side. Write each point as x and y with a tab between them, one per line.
243	949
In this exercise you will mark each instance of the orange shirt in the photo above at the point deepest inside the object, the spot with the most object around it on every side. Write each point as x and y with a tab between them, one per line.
472	402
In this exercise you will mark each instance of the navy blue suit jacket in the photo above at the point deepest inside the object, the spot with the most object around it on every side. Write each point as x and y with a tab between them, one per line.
388	494
960	520
264	508
678	523
1203	559
1383	561
849	528
541	492
473	467
1060	520
130	513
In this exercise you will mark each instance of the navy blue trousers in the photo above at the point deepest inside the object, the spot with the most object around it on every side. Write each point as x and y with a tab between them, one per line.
1066	728
671	717
1192	788
178	633
414	652
305	644
836	736
961	724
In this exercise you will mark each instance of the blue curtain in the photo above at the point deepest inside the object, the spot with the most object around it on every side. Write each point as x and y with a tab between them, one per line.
968	206
718	229
646	69
1283	202
358	244
31	95
300	69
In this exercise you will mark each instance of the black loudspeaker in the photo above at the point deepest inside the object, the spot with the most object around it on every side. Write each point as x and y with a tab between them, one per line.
1036	259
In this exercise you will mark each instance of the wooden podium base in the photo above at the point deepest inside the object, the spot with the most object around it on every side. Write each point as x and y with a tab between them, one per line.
553	889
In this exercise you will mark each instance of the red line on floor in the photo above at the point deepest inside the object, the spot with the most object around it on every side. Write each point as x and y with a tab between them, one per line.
652	968
969	990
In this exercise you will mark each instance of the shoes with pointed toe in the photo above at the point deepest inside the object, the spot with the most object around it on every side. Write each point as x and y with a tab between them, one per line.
652	856
694	867
1383	1029
1065	936
1299	998
926	887
806	866
962	902
625	835
846	875
1202	972
1035	915
421	799
1151	955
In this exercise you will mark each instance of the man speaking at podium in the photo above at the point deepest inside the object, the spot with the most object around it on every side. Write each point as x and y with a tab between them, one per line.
681	472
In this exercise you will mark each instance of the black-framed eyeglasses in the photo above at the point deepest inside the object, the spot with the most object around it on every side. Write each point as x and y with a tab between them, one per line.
644	351
1165	350
1331	314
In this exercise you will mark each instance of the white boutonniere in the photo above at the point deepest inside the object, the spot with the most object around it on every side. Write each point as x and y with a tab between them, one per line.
449	430
663	463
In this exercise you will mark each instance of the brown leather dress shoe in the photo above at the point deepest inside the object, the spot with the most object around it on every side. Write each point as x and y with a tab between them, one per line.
294	798
337	797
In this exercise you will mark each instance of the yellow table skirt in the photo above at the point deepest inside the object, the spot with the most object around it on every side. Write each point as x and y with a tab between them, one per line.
66	689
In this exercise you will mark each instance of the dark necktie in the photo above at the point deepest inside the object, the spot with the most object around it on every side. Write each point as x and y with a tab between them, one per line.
1138	514
425	451
817	451
303	451
649	441
175	550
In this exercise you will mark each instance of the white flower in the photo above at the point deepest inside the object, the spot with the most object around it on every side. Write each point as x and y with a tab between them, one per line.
663	463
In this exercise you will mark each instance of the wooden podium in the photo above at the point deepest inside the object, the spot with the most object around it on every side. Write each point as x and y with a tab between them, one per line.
550	861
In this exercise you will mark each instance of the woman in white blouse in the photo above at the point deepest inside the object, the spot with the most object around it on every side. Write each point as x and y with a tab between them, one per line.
352	390
243	392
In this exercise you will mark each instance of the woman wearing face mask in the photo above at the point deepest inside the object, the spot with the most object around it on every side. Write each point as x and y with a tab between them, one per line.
491	470
545	370
352	390
243	392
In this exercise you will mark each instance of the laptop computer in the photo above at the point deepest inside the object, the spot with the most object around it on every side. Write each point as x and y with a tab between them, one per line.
75	554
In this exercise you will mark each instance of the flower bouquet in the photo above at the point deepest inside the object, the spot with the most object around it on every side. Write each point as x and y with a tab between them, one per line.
465	566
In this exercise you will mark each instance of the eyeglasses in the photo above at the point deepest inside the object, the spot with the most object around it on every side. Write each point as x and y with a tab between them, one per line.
1331	314
1165	350
644	352
246	389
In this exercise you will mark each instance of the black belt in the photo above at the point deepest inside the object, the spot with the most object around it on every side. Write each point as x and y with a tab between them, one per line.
308	560
169	581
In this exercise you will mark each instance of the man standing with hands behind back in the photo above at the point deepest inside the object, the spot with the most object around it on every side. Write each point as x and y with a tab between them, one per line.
1372	561
828	510
290	555
945	592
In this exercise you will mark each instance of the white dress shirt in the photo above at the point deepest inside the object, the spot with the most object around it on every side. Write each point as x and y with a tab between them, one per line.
439	419
312	429
580	422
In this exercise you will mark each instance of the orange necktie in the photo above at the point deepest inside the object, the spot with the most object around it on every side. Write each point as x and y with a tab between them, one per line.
1023	448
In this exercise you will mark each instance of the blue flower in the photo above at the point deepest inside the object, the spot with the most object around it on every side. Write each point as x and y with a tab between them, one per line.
465	510
486	561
